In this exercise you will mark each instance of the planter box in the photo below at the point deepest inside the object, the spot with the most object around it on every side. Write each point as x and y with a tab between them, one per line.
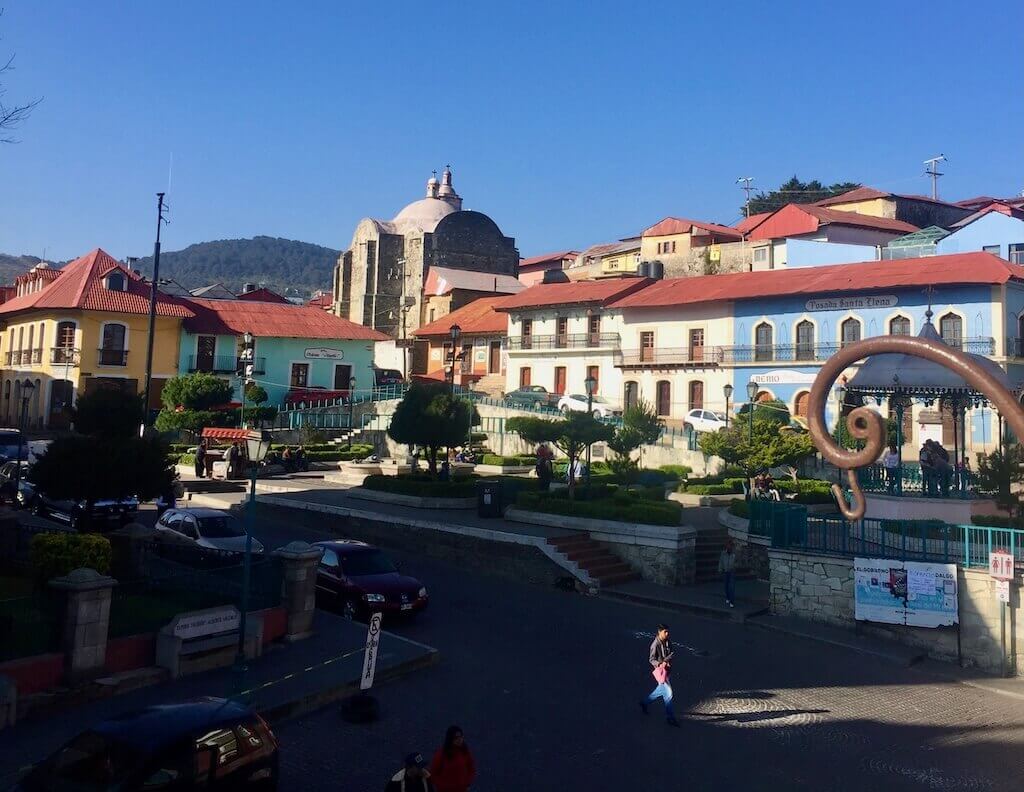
415	501
503	470
688	499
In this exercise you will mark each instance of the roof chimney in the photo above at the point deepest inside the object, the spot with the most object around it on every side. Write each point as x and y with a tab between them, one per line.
248	287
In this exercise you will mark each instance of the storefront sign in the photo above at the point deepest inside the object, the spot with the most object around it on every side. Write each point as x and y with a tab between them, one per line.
852	303
324	353
910	593
783	377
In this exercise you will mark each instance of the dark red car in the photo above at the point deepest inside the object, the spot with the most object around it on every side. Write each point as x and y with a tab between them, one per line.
361	579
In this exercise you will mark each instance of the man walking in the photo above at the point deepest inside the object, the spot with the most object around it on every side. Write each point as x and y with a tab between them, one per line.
661	662
727	569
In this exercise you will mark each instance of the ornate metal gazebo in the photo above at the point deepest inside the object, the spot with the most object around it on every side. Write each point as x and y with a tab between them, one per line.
902	379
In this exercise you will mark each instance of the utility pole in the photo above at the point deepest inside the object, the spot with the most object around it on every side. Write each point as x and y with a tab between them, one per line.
747	188
160	220
932	170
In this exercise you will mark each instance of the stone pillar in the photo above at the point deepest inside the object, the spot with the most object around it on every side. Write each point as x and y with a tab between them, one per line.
300	561
86	622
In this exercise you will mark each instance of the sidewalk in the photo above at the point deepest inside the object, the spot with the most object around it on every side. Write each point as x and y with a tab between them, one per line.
284	682
706	599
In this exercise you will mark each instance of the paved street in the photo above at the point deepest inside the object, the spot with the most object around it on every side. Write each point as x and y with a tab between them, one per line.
546	683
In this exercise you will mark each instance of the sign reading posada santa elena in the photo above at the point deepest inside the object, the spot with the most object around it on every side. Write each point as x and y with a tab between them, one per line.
854	303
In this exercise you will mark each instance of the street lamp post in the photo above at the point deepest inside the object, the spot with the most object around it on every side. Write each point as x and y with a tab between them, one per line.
257	444
590	383
455	332
727	390
351	410
27	388
751	395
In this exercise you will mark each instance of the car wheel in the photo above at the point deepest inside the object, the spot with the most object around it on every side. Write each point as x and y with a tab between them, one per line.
538	405
598	414
37	508
565	410
348	610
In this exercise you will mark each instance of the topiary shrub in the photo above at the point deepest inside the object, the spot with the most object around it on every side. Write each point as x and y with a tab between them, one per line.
678	471
56	554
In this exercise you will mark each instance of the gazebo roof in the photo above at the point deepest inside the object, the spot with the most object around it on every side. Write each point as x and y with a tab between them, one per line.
896	373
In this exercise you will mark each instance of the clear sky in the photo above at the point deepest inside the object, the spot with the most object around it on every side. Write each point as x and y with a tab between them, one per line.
568	123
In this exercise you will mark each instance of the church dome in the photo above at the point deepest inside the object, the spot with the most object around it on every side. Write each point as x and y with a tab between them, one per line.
425	213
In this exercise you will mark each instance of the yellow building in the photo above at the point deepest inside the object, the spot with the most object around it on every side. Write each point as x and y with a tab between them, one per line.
71	330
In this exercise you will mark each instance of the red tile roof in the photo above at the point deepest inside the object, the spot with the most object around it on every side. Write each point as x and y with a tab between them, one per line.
263	295
796	219
749	223
995	206
276	320
477	318
954	269
680	225
548	257
593	292
443	280
324	301
80	285
855	195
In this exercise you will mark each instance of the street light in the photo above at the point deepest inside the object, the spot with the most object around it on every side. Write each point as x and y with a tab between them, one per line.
727	390
351	410
257	444
590	383
751	395
455	332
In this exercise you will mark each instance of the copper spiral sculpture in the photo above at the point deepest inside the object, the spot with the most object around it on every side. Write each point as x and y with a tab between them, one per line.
867	425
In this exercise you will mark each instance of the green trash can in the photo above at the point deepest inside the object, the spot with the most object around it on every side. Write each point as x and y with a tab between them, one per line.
489	502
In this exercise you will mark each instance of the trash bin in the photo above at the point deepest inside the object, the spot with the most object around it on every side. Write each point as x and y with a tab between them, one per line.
489	499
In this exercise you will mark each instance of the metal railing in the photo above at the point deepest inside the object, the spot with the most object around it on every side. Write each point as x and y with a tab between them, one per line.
37	355
224	364
758	353
64	356
910	481
564	341
113	357
1014	347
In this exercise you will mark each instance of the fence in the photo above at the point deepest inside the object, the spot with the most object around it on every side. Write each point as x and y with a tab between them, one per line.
789	527
874	478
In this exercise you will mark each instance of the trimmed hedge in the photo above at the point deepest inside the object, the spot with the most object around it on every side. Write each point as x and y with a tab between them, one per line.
423	486
618	508
56	554
679	471
708	489
507	461
740	508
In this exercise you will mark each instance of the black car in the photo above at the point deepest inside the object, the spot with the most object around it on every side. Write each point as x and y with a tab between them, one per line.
207	743
103	514
10	479
531	397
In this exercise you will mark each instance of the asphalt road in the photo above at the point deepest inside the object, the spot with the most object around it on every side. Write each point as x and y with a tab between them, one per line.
546	683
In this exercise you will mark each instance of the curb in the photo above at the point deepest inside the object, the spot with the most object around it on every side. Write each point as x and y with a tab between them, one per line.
721	614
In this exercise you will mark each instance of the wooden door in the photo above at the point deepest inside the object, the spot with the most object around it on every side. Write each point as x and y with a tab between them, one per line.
697	345
560	380
342	376
647	346
494	359
524	377
696	395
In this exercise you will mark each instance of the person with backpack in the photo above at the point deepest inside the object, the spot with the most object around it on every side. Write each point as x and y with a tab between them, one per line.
660	658
413	777
453	768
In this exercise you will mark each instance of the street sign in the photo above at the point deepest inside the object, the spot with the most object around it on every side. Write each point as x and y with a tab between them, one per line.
370	659
1000	565
1002	590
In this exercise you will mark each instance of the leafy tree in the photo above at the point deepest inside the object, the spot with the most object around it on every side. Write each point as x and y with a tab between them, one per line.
768	446
640	426
571	435
796	191
772	411
190	403
109	412
998	472
429	416
255	394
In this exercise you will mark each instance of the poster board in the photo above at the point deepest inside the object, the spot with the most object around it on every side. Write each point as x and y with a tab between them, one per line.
911	593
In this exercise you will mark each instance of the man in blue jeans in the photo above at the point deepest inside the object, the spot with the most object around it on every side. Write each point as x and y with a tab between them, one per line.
661	658
727	569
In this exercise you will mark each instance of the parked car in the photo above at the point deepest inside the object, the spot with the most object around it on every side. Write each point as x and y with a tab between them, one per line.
206	743
361	579
600	407
705	420
531	396
305	397
384	377
11	479
206	528
80	515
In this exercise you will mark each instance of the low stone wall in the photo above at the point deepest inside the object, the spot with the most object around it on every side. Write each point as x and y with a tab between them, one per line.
414	501
751	551
821	588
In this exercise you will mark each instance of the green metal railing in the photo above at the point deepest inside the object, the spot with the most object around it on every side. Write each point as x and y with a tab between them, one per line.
910	481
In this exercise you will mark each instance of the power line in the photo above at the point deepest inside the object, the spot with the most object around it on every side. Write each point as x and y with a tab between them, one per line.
932	170
748	186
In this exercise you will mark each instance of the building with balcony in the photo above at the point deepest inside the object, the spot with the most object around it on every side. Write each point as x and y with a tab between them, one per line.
82	327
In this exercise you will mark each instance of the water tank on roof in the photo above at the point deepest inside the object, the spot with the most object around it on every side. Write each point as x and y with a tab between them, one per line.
555	276
643	269
656	270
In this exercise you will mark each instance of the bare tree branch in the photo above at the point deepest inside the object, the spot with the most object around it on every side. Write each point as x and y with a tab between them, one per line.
12	116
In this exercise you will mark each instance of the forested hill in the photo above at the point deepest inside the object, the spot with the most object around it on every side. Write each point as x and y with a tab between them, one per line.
283	265
13	266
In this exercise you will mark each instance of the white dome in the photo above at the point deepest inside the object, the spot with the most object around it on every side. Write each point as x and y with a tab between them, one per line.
425	213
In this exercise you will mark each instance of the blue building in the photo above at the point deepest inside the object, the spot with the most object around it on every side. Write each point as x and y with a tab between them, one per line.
297	348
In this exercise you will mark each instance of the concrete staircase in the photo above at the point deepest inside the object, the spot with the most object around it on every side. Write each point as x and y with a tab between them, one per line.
491	384
708	547
603	566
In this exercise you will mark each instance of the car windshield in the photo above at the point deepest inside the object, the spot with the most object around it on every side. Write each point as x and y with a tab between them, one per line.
90	761
220	527
367	562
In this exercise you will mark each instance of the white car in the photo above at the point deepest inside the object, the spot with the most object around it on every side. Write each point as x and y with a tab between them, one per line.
205	528
601	408
705	420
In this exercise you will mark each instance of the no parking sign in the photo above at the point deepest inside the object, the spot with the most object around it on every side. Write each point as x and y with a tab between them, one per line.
370	659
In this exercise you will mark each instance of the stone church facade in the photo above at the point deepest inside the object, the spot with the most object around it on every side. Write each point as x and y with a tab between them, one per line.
379	281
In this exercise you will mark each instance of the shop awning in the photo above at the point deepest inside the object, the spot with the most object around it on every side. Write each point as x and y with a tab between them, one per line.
219	433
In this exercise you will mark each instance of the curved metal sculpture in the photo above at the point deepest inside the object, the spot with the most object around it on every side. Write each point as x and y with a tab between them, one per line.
867	425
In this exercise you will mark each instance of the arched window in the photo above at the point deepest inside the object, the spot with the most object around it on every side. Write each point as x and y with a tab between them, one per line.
113	352
63	351
31	338
805	340
899	325
630	394
696	395
801	404
664	397
951	328
763	342
850	331
115	281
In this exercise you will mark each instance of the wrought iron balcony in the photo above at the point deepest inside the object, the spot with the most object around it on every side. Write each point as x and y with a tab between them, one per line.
565	341
64	356
113	357
37	355
223	364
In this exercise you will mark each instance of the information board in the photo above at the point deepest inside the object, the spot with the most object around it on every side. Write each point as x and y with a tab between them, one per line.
912	593
931	594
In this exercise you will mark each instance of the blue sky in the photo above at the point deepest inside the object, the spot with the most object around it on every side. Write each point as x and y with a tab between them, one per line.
568	123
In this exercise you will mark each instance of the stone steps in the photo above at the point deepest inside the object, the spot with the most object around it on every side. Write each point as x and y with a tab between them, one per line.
603	566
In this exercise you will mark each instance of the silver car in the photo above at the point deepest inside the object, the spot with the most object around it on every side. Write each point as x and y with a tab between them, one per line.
206	528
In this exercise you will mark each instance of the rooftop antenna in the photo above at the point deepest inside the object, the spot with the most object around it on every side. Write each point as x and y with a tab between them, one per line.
747	188
932	170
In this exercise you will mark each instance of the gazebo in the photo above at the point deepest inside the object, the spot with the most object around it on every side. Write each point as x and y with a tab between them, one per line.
902	379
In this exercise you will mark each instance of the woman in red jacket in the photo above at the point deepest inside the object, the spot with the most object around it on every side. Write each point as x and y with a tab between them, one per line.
453	769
